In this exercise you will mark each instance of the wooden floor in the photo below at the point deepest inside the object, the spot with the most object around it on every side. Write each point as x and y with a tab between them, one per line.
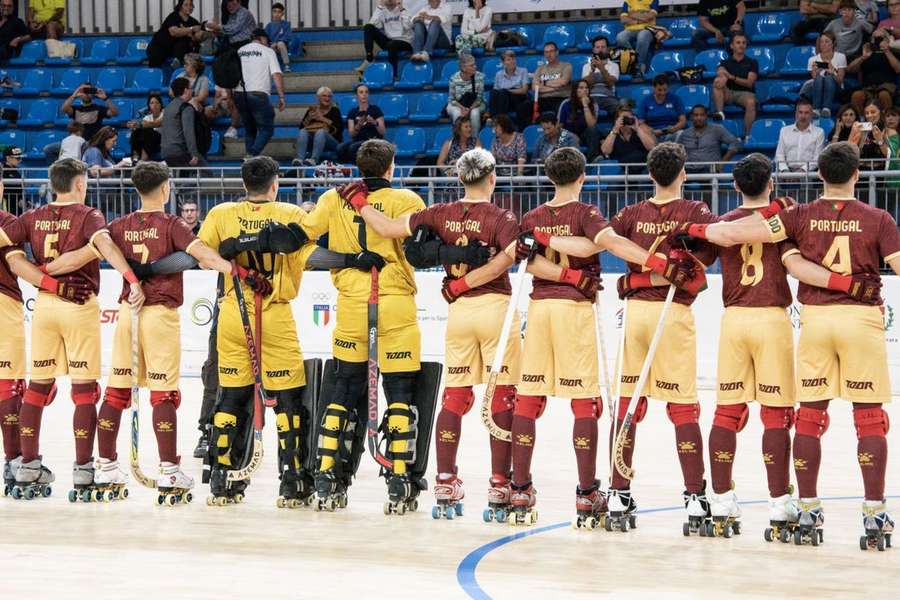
132	549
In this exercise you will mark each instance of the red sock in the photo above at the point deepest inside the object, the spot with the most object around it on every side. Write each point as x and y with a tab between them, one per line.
584	440
108	421
9	424
165	425
30	419
872	453
689	442
619	482
808	455
84	423
722	444
523	432
776	448
502	412
448	428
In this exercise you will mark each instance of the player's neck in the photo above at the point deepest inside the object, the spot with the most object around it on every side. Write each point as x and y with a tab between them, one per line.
258	199
68	199
664	195
839	192
151	206
565	195
754	203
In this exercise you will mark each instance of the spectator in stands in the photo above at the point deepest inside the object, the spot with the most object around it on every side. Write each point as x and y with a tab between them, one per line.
463	140
88	113
466	99
552	137
553	83
432	28
14	32
735	82
279	32
145	137
602	75
12	196
46	19
892	137
260	68
846	117
391	28
869	135
364	122
877	67
193	72
800	143
662	111
190	212
891	25
509	146
719	19
238	25
579	114
849	31
179	146
98	156
703	142
72	146
816	16
324	124
867	10
179	34
510	87
638	16
827	69
475	30
627	142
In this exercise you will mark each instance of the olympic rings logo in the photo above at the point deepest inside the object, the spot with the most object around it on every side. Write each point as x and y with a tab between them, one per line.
321	297
202	312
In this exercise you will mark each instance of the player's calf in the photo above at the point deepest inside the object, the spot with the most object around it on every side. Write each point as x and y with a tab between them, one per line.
11	391
502	405
776	447
165	423
872	426
584	438
115	400
37	396
728	421
812	423
618	481
85	396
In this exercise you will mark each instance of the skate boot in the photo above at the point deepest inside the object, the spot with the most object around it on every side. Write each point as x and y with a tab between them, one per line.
296	490
783	515
331	491
202	448
697	507
32	480
448	494
590	507
810	522
9	474
82	483
222	491
878	526
621	508
725	512
403	492
174	485
498	499
110	481
523	498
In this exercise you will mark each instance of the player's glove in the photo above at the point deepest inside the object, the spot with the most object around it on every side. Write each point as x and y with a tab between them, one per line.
229	248
584	282
530	243
630	283
685	236
681	269
865	287
454	288
776	206
474	254
354	194
141	270
74	291
255	280
364	261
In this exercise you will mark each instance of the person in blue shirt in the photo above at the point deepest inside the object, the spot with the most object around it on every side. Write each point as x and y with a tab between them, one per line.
662	112
279	32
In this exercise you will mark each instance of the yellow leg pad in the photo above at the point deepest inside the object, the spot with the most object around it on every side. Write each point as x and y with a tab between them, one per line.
222	420
333	424
283	425
398	424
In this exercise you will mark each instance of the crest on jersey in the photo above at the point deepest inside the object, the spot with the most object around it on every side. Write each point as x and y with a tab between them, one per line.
321	314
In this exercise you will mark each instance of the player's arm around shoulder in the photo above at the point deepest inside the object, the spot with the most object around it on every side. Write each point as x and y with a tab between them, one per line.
316	222
497	266
208	258
805	271
210	230
385	226
72	261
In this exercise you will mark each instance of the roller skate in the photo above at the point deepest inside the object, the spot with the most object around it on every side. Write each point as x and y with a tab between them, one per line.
403	491
331	491
523	499
725	512
32	480
109	481
83	483
222	491
590	507
296	490
783	515
809	523
878	526
174	485
202	448
498	499
697	507
448	494
621	508
9	474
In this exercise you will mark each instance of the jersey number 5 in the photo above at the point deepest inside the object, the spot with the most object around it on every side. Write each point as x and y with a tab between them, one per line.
837	259
50	249
752	267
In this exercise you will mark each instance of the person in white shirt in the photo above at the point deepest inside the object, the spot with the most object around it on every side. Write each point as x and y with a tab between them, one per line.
391	28
260	67
827	69
73	145
799	144
432	28
475	30
602	75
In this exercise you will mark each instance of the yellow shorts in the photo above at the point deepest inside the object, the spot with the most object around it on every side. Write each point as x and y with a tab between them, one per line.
65	338
756	356
560	354
399	342
282	360
12	342
473	330
842	354
159	349
673	372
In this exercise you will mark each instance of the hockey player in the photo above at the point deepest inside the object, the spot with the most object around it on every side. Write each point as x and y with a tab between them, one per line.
842	348
478	297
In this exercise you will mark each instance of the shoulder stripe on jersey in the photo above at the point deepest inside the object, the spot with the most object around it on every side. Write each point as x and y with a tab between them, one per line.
5	239
94	249
406	220
16	251
601	233
511	249
192	244
788	253
776	229
892	256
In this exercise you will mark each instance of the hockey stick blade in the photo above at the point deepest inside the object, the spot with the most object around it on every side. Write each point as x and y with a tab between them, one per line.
136	470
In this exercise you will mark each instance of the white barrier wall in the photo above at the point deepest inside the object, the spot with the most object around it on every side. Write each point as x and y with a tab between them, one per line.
314	311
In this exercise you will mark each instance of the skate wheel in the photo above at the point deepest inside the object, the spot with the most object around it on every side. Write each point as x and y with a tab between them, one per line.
798	538
533	517
318	506
736	528
767	534
459	509
73	496
576	523
701	530
221	501
863	543
280	502
170	500
500	515
414	506
511	519
487	515
591	523
29	493
726	531
124	493
686	529
632	521
435	512
342	502
880	543
109	496
187	498
814	538
160	500
401	509
784	536
821	535
449	513
309	500
887	540
210	501
387	508
608	525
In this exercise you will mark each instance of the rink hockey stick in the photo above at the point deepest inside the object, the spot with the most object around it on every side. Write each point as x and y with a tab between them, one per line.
600	340
267	401
372	377
624	470
620	359
136	407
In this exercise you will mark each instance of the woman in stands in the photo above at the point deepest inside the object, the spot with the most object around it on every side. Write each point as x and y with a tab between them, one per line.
578	114
508	146
145	137
462	141
827	69
323	125
846	117
475	29
870	136
194	68
98	155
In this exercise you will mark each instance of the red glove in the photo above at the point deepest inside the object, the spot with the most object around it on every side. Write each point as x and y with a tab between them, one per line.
683	235
255	280
865	287
583	281
629	283
77	292
681	269
355	194
529	243
454	288
776	206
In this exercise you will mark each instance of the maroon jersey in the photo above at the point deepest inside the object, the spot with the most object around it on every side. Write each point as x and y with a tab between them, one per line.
570	219
648	224
58	228
148	236
11	232
845	236
9	226
461	222
753	274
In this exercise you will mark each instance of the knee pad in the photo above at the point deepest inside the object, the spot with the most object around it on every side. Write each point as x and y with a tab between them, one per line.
331	434
812	422
640	410
35	397
11	388
119	398
458	400
171	396
871	421
731	417
683	414
777	418
85	393
531	407
504	399
586	408
399	428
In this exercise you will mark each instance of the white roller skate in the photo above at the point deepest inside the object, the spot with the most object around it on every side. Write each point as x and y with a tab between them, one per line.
9	474
109	481
697	508
174	485
810	523
724	511
621	511
499	494
82	482
783	515
32	480
878	526
523	500
590	507
448	494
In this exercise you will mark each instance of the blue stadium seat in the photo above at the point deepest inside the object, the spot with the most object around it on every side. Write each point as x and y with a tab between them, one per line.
796	59
111	80
36	143
607	29
103	51
825	123
709	60
768	28
608	168
486	136
40	113
415	76
666	60
394	107
440	136
32	53
635	92
126	111
531	63
490	69
735	126
532	133
12	137
526	33
9	103
428	107
410	141
447	72
691	95
135	52
346	104
764	134
378	76
70	79
562	35
67	60
36	82
145	80
681	30
215	144
777	96
766	59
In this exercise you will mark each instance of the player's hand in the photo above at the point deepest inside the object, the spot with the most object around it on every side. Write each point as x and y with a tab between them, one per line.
629	283
685	271
776	206
866	287
73	291
228	249
141	270
136	296
584	282
255	280
365	261
530	243
682	237
474	254
355	194
454	288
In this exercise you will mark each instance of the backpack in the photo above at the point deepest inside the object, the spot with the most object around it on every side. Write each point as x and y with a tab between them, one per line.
226	68
202	130
627	60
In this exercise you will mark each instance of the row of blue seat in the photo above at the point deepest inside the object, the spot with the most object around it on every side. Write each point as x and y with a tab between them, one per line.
33	142
114	80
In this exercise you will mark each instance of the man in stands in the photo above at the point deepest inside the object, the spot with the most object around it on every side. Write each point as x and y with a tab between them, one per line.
816	16
601	73
735	82
88	113
718	19
391	28
13	32
800	144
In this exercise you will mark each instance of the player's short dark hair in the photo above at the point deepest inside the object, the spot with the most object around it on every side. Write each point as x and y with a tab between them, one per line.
661	79
752	174
374	157
179	85
838	161
665	162
63	172
565	165
258	174
738	34
547	117
148	176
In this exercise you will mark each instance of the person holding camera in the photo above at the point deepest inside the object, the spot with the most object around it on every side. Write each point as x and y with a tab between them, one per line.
800	144
467	93
870	136
602	75
877	68
89	113
827	69
627	142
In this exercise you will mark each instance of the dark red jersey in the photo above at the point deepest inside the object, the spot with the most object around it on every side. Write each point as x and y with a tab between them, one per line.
648	224
58	228
11	231
461	222
9	284
570	219
845	236
148	236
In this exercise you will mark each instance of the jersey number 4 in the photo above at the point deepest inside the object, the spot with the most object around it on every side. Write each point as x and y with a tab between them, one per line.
837	259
